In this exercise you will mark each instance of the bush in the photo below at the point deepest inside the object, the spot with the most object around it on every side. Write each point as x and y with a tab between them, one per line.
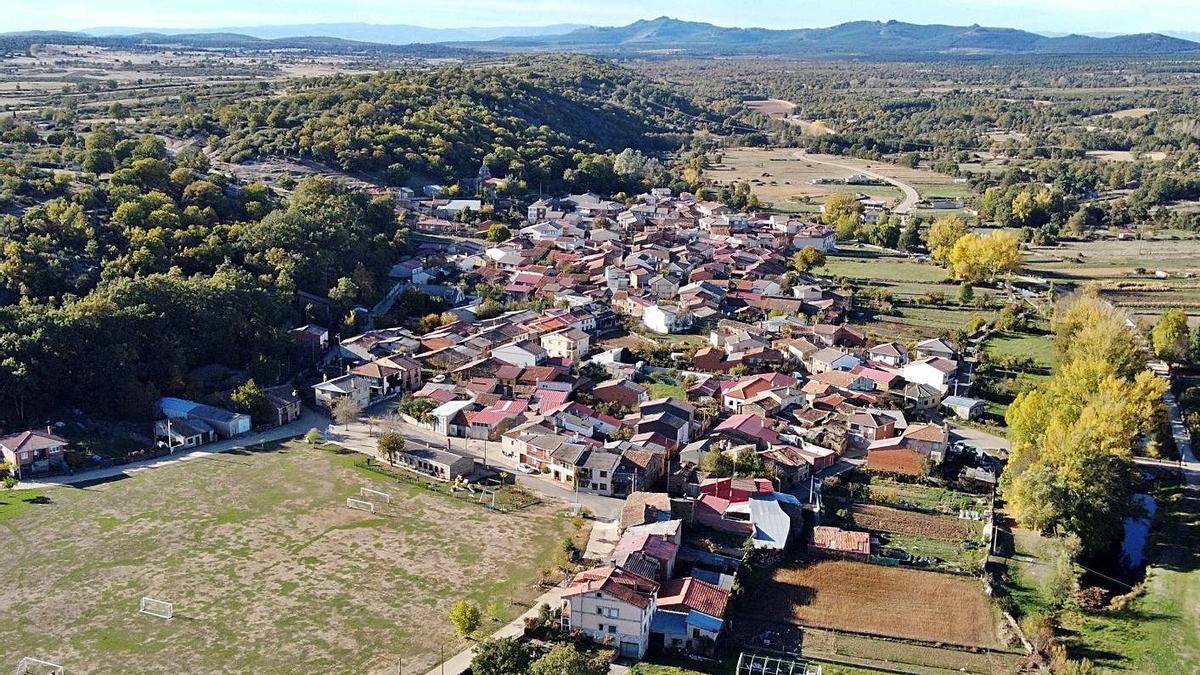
466	617
313	436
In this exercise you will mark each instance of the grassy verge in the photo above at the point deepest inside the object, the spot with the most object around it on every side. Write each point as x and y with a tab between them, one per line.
16	502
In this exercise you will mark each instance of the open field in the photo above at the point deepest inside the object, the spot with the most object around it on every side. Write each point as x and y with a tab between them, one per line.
784	177
866	598
1125	271
900	521
882	267
268	569
1040	348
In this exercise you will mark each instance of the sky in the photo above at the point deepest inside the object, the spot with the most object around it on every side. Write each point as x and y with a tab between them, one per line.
1081	16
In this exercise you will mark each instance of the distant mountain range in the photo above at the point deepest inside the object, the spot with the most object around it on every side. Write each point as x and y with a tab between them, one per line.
661	36
854	39
388	34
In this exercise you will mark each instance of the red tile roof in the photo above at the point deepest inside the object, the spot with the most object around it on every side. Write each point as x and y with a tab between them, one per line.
844	541
693	594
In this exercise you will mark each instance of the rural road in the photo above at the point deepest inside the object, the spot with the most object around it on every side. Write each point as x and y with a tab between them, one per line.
911	197
308	420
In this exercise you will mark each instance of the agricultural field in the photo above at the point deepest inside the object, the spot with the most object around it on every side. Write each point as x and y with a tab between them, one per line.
866	598
1126	271
900	521
268	570
783	177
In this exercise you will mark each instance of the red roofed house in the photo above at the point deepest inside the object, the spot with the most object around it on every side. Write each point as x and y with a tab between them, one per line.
910	453
690	616
747	388
489	423
747	428
34	452
612	604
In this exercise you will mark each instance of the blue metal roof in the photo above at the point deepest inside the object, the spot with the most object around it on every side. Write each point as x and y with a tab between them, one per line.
704	622
669	623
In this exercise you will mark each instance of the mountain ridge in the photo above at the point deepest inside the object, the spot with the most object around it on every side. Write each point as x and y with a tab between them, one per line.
394	34
855	38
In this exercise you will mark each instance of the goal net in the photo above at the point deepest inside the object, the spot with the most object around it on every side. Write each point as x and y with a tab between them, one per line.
360	504
32	666
159	608
368	493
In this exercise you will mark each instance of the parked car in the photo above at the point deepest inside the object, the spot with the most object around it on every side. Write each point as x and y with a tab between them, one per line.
525	468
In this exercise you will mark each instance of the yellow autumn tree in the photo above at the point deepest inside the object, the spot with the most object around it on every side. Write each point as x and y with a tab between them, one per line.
1071	468
943	235
977	258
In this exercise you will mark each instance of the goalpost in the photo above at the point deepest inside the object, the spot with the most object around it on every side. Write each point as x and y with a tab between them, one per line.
360	504
32	666
368	493
160	608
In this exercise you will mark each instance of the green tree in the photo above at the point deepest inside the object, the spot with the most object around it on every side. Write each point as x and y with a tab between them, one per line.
717	463
252	400
1169	336
391	446
313	437
498	233
465	616
841	207
503	656
748	463
808	259
966	293
566	659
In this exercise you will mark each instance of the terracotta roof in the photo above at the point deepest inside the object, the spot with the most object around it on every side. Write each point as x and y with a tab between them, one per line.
613	580
928	432
845	541
693	594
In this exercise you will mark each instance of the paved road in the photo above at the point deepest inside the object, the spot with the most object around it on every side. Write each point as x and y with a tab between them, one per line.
979	438
911	196
308	420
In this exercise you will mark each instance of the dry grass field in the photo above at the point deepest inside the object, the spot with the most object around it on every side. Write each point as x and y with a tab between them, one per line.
886	601
268	569
784	177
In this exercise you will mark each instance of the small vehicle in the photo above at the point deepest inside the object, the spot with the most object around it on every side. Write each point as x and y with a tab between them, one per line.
525	468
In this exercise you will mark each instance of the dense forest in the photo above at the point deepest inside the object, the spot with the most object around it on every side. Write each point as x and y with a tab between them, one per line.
534	121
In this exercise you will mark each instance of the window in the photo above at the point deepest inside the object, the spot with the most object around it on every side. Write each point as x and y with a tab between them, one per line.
600	627
612	629
599	610
604	474
613	612
695	632
55	451
24	456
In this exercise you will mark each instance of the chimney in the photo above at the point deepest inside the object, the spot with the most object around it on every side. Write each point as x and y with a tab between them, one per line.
48	429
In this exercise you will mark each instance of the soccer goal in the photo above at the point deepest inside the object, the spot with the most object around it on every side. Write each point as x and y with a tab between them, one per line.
360	504
160	608
32	666
368	493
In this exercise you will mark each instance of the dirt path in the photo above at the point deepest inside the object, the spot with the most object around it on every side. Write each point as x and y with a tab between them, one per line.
911	196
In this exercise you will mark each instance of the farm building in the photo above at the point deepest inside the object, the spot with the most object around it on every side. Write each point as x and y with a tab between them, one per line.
227	424
840	543
437	463
963	407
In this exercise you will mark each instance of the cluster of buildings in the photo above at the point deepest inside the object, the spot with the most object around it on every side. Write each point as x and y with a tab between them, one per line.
783	388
